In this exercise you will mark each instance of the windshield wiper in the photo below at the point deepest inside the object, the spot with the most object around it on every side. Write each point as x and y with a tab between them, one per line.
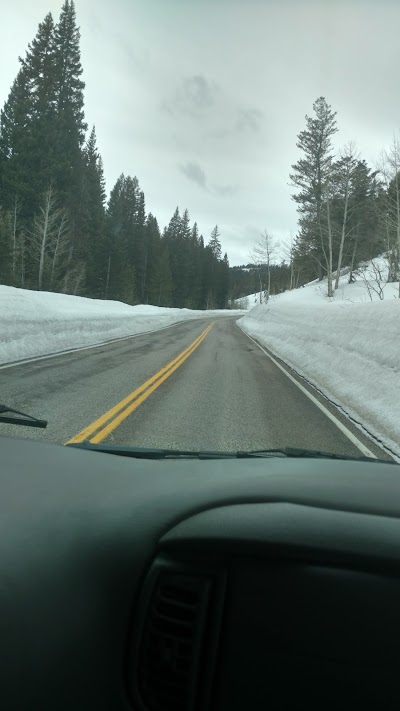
19	418
307	453
149	453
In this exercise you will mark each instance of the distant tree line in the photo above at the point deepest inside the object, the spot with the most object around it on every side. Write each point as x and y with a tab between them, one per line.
57	231
253	279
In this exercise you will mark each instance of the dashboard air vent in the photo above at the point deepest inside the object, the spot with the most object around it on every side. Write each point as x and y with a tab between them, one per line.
172	642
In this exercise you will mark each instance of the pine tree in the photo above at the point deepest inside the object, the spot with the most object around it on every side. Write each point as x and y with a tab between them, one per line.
40	67
185	225
194	298
70	124
311	175
122	214
15	145
28	123
93	242
162	283
214	243
141	248
187	257
153	249
195	235
174	244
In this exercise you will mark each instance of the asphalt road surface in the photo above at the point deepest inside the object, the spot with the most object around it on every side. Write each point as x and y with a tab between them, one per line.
196	385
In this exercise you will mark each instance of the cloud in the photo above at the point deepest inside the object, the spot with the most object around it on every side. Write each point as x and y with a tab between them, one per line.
226	190
195	173
194	97
249	120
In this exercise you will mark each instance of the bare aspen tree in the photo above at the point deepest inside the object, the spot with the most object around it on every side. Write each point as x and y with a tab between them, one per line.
289	254
108	276
261	255
61	244
48	237
346	167
41	239
15	225
329	256
73	279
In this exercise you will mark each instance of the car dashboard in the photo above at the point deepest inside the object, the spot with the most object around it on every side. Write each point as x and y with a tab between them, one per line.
191	585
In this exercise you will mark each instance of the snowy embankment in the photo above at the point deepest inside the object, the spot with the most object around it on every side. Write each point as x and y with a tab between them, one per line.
34	323
348	347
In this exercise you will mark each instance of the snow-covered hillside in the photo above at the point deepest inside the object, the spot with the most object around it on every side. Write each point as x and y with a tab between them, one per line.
349	346
35	323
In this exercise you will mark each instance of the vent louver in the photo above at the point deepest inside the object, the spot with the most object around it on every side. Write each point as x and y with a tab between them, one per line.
172	642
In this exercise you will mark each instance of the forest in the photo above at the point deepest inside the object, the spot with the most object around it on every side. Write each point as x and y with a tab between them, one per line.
58	231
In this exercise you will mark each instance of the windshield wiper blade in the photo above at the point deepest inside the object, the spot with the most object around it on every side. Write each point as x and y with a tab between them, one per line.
154	453
306	453
150	453
21	419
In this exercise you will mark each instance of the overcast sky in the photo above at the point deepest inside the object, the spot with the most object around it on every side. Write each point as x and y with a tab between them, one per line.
203	99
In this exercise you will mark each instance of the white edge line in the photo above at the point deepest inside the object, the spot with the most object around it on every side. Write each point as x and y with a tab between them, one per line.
35	359
365	451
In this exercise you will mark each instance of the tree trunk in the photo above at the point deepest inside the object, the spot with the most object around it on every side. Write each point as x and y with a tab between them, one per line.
353	257
108	276
398	222
144	276
44	240
329	261
22	261
14	237
343	235
59	244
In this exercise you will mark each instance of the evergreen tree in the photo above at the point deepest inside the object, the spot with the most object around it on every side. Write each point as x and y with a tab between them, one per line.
153	248
141	248
70	124
174	243
311	175
39	65
214	243
93	243
162	282
15	145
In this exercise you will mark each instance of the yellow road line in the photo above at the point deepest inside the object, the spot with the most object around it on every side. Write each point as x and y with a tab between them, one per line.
100	428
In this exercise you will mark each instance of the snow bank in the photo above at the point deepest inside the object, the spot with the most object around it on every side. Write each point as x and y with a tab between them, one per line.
348	347
34	323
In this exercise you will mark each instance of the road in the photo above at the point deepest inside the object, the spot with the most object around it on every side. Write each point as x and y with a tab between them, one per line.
219	391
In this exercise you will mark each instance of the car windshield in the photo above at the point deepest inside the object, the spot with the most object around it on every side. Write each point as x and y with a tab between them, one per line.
200	225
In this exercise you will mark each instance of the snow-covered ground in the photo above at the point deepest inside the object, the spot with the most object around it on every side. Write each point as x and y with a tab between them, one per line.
349	346
35	323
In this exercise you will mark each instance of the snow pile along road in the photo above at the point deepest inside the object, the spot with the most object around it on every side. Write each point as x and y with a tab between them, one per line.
35	323
348	347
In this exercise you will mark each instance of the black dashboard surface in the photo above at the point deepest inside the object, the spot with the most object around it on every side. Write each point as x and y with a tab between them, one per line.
79	532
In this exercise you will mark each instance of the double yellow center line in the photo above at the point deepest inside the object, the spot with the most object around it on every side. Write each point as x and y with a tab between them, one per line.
101	428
